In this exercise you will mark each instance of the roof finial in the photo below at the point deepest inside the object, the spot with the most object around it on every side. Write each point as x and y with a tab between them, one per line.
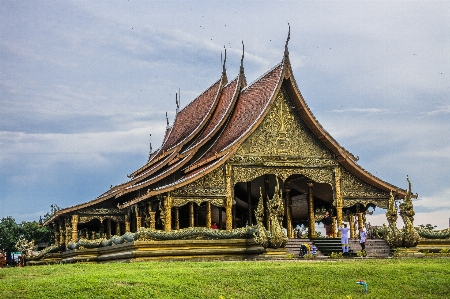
286	51
242	58
224	71
176	101
151	150
167	120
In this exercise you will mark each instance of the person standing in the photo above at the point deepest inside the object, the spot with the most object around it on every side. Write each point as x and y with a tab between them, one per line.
344	237
362	241
327	221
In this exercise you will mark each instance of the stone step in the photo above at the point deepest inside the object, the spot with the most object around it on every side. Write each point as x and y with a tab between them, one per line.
374	247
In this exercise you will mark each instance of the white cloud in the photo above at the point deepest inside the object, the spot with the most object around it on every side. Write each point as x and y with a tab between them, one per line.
444	109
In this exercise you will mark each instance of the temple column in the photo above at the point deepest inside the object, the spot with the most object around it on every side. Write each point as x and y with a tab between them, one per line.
74	228
312	221
208	214
360	220
117	228
68	232
92	235
352	226
168	212
152	220
61	233
229	198
249	202
288	204
177	218
108	228
138	222
127	223
339	201
191	214
333	226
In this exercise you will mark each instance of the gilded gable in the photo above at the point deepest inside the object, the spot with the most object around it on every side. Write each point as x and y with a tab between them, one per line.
283	138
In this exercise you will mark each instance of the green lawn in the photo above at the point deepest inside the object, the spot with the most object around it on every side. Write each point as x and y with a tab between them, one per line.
386	278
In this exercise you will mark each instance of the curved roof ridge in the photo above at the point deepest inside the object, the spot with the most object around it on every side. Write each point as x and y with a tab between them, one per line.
344	157
191	118
164	149
256	118
263	75
219	116
217	149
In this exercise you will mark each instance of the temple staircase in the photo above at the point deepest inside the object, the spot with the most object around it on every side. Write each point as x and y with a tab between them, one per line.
330	245
375	248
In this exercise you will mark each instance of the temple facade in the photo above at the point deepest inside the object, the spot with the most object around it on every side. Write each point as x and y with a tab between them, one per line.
235	146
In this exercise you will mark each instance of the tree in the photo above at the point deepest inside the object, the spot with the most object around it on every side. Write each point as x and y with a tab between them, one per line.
9	235
34	231
53	210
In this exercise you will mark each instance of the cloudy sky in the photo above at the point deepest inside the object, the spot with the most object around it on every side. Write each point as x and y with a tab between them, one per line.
84	83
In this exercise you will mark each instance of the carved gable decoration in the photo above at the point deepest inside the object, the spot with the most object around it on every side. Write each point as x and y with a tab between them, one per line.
282	139
212	184
354	190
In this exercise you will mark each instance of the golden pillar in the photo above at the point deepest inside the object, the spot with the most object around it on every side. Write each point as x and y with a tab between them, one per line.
138	222
312	221
152	220
339	201
288	212
352	225
360	220
208	214
117	228
68	232
61	233
229	198
191	214
177	218
333	226
127	223
168	212
74	228
92	235
152	216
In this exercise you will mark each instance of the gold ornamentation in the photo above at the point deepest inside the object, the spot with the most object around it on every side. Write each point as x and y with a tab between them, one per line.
354	188
248	173
212	184
272	140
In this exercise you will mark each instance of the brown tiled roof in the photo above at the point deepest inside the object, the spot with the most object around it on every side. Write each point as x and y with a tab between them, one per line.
235	113
223	108
252	102
189	120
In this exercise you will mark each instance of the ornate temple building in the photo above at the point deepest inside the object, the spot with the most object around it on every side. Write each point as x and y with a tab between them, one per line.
234	147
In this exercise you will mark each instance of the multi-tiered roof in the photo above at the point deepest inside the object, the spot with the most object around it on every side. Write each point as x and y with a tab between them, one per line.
207	132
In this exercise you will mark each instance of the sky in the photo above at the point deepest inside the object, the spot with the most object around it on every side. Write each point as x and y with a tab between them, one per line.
83	84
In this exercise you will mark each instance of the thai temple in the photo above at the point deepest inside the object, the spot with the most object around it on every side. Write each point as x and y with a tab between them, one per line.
238	156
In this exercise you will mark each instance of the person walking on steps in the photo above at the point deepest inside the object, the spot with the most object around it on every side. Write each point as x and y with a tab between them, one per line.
362	241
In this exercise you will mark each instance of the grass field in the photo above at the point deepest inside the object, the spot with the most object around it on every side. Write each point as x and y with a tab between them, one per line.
386	278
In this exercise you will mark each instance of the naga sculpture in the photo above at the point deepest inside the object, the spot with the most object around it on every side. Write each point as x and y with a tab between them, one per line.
407	236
